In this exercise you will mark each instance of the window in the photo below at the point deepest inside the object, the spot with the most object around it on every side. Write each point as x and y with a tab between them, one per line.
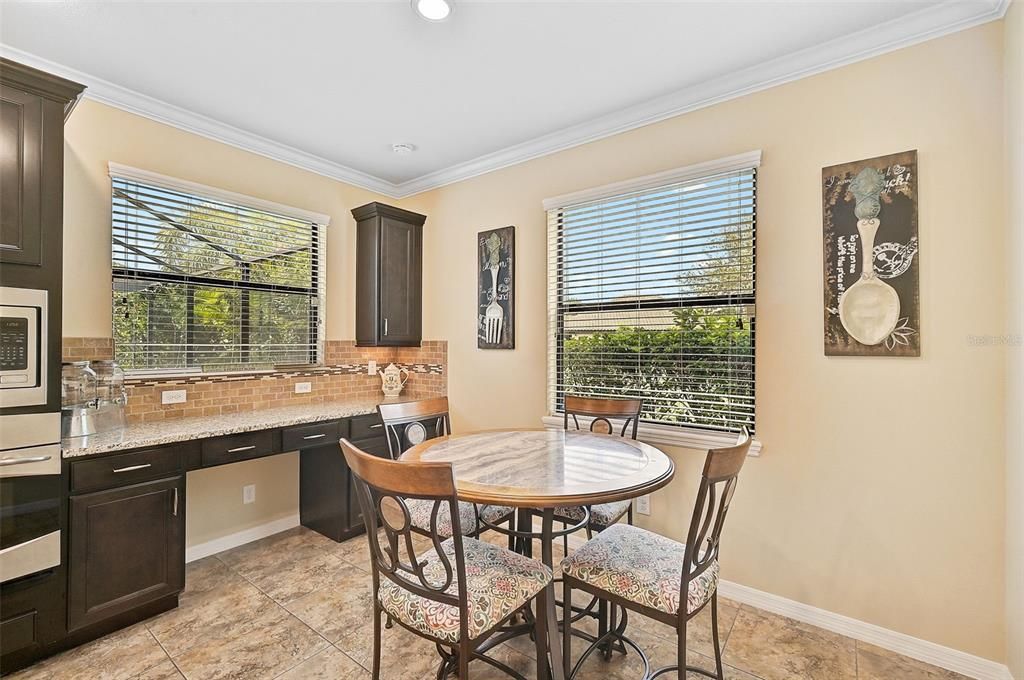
651	294
204	280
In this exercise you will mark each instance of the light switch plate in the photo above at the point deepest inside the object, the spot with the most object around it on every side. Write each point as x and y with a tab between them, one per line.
643	505
371	367
173	397
249	494
303	387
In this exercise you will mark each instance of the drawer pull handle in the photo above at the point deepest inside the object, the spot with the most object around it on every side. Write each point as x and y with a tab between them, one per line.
133	467
315	436
378	425
239	449
22	461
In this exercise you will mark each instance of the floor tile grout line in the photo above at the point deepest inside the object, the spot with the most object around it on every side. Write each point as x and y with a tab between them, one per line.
169	657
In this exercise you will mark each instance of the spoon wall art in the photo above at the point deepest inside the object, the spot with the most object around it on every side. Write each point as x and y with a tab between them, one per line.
872	305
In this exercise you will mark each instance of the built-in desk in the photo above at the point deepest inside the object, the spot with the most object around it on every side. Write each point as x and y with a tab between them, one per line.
125	495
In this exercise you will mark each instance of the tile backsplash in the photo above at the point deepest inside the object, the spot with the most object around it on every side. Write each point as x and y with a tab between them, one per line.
343	376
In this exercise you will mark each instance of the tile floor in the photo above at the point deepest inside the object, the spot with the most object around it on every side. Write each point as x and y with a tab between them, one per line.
296	606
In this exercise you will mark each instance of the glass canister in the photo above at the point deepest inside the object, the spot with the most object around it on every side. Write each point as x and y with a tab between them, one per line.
77	384
109	382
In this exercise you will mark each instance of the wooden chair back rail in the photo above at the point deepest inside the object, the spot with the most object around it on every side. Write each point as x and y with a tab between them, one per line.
395	415
717	487
382	487
602	410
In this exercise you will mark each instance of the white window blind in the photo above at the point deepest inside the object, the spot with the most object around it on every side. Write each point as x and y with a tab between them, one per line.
202	283
651	294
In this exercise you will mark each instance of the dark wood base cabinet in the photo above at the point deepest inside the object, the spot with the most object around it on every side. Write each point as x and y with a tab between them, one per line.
31	617
127	548
125	545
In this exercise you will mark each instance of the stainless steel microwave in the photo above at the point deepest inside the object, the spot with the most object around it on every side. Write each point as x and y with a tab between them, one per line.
22	347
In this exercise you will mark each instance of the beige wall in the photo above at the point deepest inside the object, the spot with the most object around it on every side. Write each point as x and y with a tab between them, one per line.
880	492
96	134
1015	330
901	524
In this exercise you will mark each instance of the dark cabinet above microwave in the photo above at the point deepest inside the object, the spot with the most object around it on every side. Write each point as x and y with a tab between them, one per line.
389	273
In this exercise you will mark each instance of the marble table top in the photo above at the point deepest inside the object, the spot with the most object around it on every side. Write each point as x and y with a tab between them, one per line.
547	468
138	435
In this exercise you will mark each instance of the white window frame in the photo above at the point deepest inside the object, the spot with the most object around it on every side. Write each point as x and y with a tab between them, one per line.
654	433
322	221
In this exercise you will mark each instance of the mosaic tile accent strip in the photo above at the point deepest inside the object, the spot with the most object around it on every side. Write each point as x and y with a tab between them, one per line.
344	377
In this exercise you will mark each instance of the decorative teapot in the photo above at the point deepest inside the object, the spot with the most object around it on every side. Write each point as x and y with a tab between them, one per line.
392	381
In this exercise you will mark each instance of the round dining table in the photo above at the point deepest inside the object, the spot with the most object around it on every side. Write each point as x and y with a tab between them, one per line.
537	471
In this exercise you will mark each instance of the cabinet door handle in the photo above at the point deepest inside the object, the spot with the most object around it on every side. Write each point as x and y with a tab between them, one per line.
175	501
22	461
133	467
315	436
378	425
385	326
238	449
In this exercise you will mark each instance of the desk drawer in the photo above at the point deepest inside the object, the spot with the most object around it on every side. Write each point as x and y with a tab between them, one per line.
308	436
124	469
234	447
366	427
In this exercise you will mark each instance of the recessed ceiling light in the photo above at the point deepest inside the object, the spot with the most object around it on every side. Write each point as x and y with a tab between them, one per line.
433	10
402	148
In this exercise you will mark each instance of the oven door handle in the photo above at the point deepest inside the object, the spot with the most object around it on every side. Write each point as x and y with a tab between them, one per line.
22	461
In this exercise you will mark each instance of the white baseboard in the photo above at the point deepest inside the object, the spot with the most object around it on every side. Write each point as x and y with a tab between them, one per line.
922	650
198	552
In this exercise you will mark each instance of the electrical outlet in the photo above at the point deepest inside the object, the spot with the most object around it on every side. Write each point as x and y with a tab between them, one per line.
371	367
173	397
643	505
249	494
303	387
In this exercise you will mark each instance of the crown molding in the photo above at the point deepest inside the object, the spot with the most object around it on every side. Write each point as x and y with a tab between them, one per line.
930	22
105	92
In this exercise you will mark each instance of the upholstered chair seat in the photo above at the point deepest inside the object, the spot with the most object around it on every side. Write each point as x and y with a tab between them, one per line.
420	511
601	516
498	582
641	567
493	514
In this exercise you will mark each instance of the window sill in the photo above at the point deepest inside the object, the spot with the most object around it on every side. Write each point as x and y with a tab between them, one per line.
671	435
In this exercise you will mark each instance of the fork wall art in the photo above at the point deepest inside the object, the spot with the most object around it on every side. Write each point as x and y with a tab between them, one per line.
872	305
495	314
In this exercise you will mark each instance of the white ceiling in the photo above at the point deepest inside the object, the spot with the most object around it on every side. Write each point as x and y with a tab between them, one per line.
332	85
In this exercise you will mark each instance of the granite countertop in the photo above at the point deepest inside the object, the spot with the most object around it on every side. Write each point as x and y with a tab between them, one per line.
139	435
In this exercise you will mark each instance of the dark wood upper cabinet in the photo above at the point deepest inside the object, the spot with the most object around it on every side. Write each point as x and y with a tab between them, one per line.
389	276
33	106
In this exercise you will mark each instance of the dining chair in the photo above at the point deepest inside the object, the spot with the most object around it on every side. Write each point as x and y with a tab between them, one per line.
655	576
412	422
601	411
458	592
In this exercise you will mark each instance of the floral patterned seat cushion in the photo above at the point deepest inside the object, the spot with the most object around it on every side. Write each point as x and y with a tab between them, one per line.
421	509
604	514
494	513
498	582
641	567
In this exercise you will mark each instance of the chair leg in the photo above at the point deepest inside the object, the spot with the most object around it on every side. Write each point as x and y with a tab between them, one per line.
681	650
612	625
511	528
540	640
714	636
376	644
566	628
463	661
602	623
